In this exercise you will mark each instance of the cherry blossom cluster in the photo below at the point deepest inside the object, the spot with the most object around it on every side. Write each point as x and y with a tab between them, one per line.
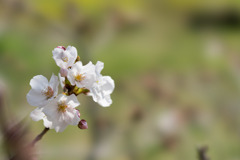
59	110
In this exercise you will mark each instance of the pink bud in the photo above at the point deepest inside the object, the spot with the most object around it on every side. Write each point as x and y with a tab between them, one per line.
63	72
61	47
83	124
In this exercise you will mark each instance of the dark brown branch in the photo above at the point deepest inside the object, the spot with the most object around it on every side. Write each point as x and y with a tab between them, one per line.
39	137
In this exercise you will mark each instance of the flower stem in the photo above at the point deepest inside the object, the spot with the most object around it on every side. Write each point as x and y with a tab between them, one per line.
39	137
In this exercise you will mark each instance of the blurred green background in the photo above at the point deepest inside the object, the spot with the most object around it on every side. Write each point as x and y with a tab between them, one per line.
176	66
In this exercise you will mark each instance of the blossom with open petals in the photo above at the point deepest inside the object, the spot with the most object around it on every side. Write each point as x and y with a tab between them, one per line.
42	91
102	87
64	58
83	76
61	112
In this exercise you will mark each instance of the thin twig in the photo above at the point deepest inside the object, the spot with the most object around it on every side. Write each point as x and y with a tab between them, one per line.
39	137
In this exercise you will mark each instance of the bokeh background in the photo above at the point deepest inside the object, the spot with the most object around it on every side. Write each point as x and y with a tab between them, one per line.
176	66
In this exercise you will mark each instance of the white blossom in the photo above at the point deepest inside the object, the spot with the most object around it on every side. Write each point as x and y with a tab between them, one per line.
65	58
42	91
82	76
102	87
38	115
61	112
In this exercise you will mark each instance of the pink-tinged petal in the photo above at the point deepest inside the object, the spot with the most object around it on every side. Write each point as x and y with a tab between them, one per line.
78	112
71	117
61	47
63	72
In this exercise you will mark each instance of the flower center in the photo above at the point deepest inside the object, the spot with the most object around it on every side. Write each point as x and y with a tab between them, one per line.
79	77
64	58
49	93
62	107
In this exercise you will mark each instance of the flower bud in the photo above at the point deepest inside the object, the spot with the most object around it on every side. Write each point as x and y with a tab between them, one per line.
63	72
83	124
61	47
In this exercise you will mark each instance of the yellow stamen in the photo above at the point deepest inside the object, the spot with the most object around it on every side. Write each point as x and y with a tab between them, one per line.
79	77
62	107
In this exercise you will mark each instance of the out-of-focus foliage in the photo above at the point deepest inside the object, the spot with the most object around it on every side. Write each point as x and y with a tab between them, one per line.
175	66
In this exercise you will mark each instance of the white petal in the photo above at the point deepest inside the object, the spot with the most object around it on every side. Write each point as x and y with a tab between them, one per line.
35	98
72	50
101	91
60	127
62	80
69	116
37	114
51	110
73	101
99	67
95	93
76	68
106	101
89	68
47	123
72	54
108	85
39	82
57	53
71	77
78	65
75	119
54	84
